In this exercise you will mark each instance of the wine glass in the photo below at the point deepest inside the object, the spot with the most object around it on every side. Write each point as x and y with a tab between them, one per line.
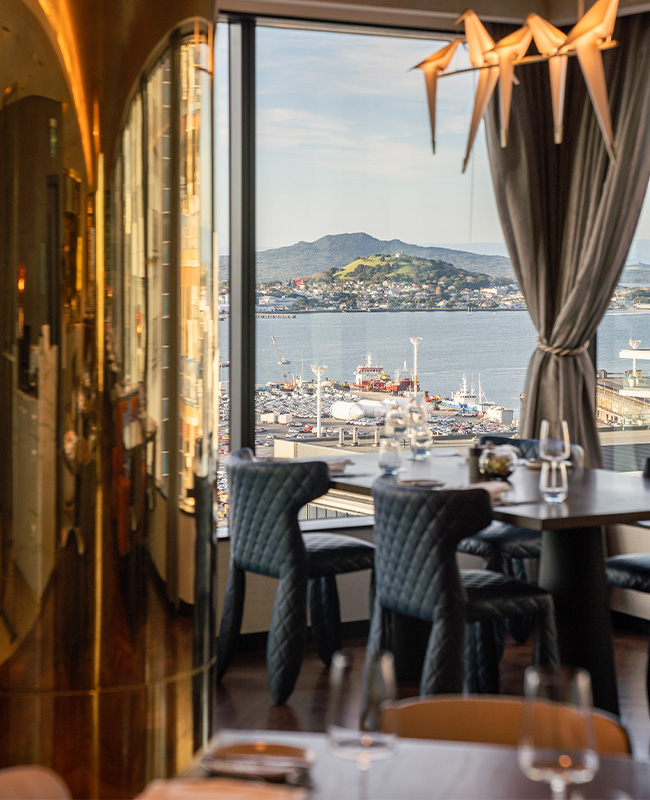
554	482
554	442
396	422
353	734
389	454
420	437
416	415
557	743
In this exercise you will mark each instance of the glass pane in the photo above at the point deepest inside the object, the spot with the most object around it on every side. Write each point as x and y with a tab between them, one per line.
372	251
133	251
623	394
222	208
196	298
158	258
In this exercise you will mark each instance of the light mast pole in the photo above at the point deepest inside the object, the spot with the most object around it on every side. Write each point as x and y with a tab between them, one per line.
318	371
415	341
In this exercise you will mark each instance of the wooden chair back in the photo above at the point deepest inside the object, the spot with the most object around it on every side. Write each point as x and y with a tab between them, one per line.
485	719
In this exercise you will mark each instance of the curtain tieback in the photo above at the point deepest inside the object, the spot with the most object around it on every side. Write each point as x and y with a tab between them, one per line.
561	351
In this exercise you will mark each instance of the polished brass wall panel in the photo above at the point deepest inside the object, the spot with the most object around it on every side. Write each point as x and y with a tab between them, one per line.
106	669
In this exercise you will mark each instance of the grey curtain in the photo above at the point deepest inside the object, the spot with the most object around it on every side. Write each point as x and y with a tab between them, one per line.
569	217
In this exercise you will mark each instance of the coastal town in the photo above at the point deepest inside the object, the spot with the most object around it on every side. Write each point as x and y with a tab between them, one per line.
462	294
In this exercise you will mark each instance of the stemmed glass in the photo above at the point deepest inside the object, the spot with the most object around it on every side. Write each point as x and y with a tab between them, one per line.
389	454
396	422
418	429
557	742
354	735
554	442
420	443
554	449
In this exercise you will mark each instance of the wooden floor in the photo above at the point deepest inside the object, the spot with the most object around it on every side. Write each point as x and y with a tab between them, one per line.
243	699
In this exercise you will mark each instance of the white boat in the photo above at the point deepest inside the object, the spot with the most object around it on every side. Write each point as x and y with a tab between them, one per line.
464	398
468	398
370	376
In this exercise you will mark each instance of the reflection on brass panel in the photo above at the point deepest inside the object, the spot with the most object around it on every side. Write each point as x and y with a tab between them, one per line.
107	555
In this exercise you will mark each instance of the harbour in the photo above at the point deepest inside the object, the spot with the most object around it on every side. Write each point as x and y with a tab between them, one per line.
496	346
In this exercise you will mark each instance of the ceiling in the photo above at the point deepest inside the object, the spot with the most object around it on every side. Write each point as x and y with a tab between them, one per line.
102	31
28	62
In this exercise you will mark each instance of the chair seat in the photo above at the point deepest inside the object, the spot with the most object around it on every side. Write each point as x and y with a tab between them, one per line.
335	553
510	540
630	571
491	594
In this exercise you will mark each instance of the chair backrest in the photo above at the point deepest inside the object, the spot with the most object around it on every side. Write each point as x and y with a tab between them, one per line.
416	533
529	448
265	498
486	719
32	782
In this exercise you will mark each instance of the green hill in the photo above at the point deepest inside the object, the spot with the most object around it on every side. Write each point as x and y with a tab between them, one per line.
407	269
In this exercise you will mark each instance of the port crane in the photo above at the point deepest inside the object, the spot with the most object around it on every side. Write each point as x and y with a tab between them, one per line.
279	358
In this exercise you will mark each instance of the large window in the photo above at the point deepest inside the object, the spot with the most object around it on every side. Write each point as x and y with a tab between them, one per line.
367	242
373	253
355	214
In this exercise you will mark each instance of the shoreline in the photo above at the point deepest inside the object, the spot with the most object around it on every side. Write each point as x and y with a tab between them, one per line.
295	312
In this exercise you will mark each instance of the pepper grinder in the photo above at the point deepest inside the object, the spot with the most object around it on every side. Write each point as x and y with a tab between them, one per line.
472	460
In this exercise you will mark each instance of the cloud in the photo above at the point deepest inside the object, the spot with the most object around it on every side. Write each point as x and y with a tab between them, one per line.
343	140
355	65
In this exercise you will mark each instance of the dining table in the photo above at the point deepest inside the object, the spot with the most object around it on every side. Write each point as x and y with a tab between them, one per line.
572	563
416	769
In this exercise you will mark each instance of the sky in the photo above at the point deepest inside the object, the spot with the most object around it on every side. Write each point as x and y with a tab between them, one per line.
344	143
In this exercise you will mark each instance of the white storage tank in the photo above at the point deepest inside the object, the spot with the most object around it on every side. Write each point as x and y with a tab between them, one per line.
341	409
372	408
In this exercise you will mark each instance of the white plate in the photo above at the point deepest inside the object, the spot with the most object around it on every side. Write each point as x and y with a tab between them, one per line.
257	759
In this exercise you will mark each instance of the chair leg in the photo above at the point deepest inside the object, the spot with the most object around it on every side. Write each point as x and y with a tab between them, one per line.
287	634
379	628
520	627
233	609
546	645
647	676
325	614
443	671
483	654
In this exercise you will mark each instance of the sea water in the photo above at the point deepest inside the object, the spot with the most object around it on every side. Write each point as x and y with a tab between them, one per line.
495	346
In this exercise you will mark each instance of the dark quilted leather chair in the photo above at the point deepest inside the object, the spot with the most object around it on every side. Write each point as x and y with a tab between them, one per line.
504	547
632	571
417	531
265	498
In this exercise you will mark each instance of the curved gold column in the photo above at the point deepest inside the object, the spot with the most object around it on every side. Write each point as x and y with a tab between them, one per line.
107	570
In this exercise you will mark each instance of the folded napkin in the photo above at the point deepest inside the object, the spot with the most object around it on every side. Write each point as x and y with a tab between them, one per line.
536	463
178	788
494	488
335	464
431	482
